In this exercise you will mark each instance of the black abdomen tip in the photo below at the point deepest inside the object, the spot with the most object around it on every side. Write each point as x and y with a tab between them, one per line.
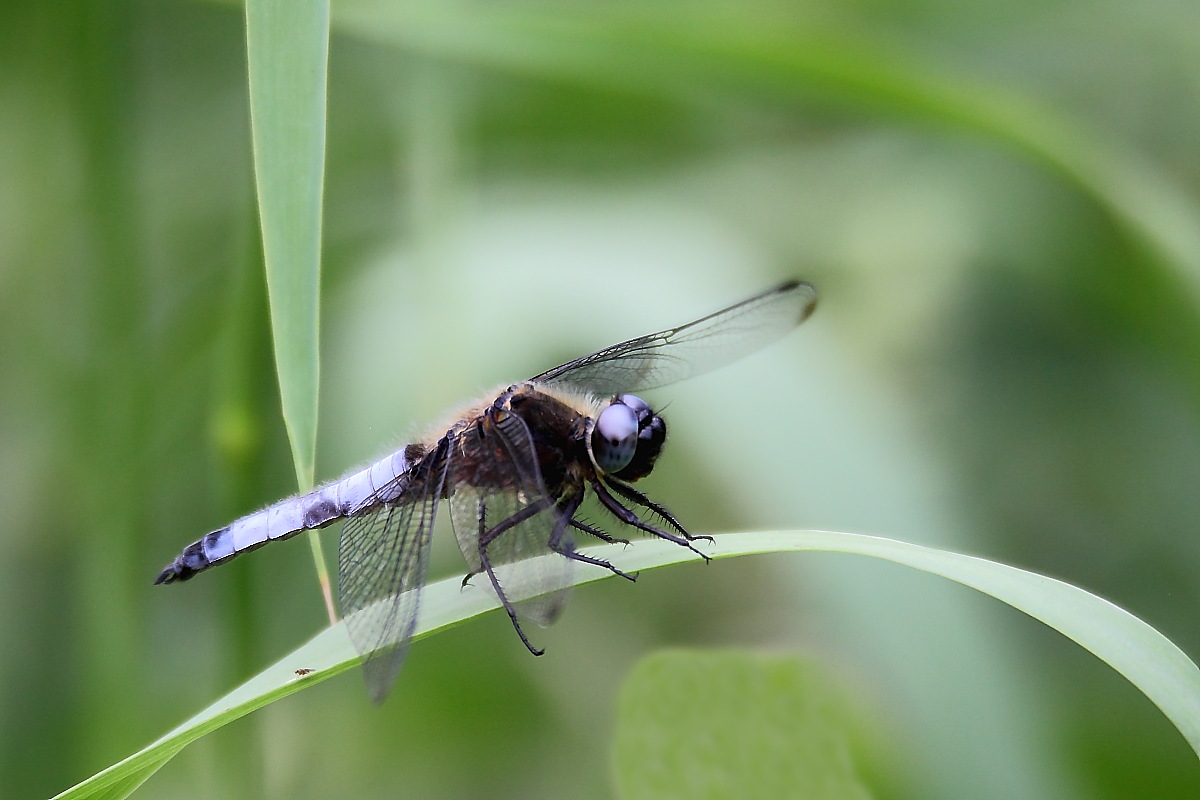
190	561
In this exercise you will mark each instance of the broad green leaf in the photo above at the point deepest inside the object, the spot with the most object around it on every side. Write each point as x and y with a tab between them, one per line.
733	725
1144	656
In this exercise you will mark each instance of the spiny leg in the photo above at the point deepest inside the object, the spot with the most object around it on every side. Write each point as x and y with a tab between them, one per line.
528	512
629	518
508	606
489	536
598	562
486	537
592	530
567	508
634	496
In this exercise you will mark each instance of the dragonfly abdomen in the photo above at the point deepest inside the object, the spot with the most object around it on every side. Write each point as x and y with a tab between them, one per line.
378	484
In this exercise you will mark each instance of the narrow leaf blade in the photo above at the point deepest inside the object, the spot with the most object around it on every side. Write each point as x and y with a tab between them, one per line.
288	47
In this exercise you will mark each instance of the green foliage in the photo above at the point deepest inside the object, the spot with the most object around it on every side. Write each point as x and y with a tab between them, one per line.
998	203
733	724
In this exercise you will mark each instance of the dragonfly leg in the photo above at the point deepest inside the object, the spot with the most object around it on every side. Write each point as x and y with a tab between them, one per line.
633	520
592	530
634	496
504	601
485	561
598	562
559	543
531	510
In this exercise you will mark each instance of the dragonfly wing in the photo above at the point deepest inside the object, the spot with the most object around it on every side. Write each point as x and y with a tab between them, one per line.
530	579
506	523
383	558
658	359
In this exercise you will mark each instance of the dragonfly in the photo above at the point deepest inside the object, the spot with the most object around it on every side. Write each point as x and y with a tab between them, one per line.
514	470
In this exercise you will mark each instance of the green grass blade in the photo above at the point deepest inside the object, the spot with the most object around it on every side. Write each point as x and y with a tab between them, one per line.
288	48
1143	655
288	52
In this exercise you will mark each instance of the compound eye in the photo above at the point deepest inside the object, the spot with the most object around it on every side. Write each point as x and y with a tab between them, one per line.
639	406
615	437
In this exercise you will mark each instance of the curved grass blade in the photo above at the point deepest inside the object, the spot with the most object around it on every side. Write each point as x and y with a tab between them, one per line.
1143	655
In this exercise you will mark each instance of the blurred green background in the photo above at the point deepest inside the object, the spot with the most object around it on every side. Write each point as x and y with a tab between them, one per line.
997	202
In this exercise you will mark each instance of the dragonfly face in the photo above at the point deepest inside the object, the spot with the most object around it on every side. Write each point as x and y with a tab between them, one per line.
514	472
627	438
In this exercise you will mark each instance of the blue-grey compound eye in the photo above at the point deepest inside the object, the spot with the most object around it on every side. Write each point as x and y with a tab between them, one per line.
615	437
639	406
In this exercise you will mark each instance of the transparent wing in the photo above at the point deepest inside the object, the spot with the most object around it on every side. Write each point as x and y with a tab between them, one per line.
658	359
531	580
506	523
383	558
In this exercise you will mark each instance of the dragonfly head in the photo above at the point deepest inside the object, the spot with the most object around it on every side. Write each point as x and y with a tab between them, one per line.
627	438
